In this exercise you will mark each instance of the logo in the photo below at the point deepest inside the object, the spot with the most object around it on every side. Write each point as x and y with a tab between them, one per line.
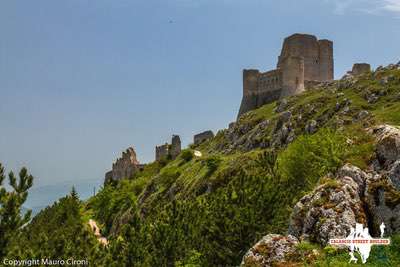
360	241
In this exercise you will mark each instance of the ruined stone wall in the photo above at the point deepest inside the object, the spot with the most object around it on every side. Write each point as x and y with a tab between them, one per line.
175	146
360	68
169	150
124	167
201	137
162	151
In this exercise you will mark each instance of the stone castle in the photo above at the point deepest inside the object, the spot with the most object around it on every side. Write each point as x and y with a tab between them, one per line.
304	61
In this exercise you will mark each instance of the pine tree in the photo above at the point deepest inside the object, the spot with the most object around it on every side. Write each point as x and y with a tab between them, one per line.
11	203
73	193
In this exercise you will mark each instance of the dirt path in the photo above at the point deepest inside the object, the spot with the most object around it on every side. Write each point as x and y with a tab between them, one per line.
96	231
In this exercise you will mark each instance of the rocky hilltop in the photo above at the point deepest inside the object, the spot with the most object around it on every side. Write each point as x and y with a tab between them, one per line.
274	186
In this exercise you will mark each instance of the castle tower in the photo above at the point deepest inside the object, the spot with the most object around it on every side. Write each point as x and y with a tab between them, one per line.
293	69
175	146
306	46
326	64
250	90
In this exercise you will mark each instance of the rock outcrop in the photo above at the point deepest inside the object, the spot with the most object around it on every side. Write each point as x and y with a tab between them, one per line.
351	196
331	209
383	190
269	250
388	148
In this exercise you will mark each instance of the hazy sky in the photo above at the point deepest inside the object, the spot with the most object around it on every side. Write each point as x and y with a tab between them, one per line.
80	80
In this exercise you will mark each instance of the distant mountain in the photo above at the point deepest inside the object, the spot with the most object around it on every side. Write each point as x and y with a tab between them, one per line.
42	196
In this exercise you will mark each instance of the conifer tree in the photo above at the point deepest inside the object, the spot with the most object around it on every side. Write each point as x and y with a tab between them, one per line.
11	203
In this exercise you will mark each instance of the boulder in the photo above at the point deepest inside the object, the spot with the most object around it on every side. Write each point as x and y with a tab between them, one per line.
311	127
331	209
388	144
362	115
271	249
282	105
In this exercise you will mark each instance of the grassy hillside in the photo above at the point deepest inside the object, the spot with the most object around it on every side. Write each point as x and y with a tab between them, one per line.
209	210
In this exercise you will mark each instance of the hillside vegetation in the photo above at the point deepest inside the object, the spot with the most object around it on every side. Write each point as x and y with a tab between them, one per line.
209	210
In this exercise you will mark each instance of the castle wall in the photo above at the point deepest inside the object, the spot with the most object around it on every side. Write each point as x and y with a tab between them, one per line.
161	152
360	68
293	69
169	150
124	167
260	88
269	81
201	137
175	146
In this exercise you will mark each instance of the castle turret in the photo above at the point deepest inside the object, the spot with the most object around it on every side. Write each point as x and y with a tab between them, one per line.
250	90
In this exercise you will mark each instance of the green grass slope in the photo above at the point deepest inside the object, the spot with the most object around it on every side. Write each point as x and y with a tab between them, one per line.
209	210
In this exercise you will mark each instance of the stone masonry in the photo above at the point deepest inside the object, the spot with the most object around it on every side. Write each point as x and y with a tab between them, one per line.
124	167
169	150
304	60
201	137
360	68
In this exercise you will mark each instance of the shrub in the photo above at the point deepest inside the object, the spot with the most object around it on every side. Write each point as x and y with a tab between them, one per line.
187	155
311	157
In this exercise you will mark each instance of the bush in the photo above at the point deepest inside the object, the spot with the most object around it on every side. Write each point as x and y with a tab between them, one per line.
311	157
187	155
212	164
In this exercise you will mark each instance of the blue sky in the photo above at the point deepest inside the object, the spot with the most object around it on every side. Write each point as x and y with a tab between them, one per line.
80	80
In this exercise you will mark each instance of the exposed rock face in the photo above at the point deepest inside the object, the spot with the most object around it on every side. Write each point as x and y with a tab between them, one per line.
354	196
388	149
269	250
331	209
383	200
383	190
124	167
201	137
